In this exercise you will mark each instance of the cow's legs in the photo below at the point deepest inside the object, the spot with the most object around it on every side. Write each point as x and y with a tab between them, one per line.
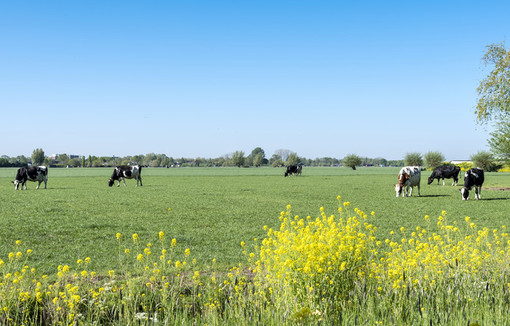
418	190
139	179
443	182
38	185
123	180
478	192
45	182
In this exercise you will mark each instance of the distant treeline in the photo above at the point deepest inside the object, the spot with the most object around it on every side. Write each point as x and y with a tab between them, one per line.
255	159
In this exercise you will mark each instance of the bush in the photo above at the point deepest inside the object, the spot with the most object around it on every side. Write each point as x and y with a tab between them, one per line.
433	159
413	159
352	160
485	161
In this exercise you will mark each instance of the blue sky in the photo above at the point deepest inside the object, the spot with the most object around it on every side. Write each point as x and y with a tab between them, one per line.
207	78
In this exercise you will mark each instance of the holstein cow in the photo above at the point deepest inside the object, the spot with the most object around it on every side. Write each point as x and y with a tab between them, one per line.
408	177
126	172
473	178
31	173
445	172
293	169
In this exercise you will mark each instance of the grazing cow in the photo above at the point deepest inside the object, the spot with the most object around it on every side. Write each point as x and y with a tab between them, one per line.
31	173
126	172
473	178
408	177
445	172
293	169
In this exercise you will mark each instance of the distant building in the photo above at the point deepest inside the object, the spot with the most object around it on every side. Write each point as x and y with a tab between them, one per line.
460	161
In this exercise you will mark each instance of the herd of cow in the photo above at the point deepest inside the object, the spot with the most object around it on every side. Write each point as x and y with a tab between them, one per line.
40	174
408	177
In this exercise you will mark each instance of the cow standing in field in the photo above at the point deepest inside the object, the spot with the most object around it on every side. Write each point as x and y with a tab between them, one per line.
408	177
31	173
293	169
126	172
445	172
473	178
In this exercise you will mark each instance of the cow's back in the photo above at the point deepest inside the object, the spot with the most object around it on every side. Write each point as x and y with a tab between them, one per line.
414	173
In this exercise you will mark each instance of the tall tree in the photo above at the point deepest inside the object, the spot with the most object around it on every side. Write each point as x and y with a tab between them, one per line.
258	150
258	159
500	141
37	156
293	159
238	158
494	90
283	153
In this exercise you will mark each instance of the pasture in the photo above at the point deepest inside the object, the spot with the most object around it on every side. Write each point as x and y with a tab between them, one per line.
211	210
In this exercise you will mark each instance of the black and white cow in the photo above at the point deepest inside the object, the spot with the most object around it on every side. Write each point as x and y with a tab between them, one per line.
293	169
408	178
445	172
31	173
473	178
126	172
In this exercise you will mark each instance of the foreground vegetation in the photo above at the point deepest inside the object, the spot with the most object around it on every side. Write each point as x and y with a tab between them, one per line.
332	269
205	246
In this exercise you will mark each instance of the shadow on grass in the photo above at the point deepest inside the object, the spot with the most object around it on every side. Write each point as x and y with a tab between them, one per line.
495	199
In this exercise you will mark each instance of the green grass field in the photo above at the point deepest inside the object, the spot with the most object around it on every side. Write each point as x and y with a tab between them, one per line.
211	210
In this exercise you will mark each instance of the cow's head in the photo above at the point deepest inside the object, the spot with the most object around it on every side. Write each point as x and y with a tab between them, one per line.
465	193
16	184
399	187
430	179
110	182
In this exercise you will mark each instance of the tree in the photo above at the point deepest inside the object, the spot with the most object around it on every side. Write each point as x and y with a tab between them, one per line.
283	153
37	156
484	160
63	159
352	160
258	159
500	141
293	159
494	90
238	158
258	150
413	159
433	159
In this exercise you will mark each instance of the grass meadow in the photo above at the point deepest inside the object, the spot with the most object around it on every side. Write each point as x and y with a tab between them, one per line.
211	211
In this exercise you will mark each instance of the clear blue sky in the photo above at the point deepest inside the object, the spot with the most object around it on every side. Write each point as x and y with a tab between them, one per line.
207	78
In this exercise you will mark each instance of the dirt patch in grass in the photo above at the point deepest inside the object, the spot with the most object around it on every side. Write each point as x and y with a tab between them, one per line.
498	188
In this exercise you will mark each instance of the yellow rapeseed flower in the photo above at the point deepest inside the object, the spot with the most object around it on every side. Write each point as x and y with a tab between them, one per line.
135	237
